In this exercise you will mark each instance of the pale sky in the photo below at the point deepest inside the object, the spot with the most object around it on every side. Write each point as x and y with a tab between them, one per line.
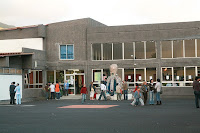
109	12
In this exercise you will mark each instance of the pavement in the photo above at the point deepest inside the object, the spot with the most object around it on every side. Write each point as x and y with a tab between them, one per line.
175	115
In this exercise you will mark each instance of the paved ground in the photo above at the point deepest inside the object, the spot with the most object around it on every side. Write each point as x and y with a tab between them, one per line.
175	116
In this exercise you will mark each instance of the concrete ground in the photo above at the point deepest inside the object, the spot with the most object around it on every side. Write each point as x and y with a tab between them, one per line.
175	115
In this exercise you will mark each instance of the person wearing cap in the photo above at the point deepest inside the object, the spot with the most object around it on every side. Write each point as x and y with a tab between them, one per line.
196	88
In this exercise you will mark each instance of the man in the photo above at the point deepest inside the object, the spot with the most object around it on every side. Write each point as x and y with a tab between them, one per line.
66	87
103	90
83	93
12	93
196	87
125	88
52	90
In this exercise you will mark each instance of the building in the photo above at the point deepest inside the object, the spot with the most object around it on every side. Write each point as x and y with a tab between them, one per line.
81	51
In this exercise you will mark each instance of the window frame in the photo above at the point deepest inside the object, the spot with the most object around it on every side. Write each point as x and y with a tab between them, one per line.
66	52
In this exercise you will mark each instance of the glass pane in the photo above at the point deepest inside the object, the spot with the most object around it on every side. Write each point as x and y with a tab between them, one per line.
117	51
151	74
190	48
178	48
70	52
50	76
166	49
128	50
150	49
36	73
190	73
1	70
40	77
69	72
107	51
140	75
70	80
167	74
63	52
60	76
198	47
129	75
18	71
139	50
96	51
12	71
97	76
178	74
198	71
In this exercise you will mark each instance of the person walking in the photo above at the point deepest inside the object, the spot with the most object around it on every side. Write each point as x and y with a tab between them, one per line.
83	93
46	88
125	88
144	91
52	89
66	87
18	94
158	90
103	90
12	93
151	92
118	91
57	90
137	98
92	91
196	88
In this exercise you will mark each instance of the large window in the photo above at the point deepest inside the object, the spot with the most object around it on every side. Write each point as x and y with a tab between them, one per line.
60	76
66	52
190	48
177	48
129	75
140	75
178	73
35	79
50	76
190	73
166	49
139	50
198	47
150	74
150	49
167	74
117	51
128	51
96	51
107	51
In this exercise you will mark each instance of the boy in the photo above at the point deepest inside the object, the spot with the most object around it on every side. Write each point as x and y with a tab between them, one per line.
83	93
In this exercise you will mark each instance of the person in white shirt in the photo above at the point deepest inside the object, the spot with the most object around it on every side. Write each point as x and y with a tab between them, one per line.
18	94
103	90
52	90
158	90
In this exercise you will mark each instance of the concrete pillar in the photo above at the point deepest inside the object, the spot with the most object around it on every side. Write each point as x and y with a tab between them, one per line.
158	53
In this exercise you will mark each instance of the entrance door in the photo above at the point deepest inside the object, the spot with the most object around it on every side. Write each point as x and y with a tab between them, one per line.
79	82
70	79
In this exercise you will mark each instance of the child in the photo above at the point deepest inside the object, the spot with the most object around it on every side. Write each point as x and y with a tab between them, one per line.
83	93
137	98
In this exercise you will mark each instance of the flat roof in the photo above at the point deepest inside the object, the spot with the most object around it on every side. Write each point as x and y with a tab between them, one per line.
14	54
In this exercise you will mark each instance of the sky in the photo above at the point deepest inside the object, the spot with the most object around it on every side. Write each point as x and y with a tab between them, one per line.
108	12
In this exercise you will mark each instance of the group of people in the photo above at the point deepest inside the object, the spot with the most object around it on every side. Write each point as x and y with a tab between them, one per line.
15	90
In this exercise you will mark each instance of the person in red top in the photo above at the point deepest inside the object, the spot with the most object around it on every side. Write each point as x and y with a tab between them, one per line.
136	87
57	90
83	93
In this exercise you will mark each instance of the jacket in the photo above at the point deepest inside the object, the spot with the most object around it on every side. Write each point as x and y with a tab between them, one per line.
12	88
196	86
137	94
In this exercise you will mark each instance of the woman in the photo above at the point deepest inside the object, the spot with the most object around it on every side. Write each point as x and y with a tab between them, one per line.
144	91
151	93
118	91
158	90
92	91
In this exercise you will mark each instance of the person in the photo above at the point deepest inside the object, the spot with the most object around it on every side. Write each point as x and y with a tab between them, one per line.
125	88
196	88
136	87
151	92
144	90
103	90
18	94
158	90
46	88
12	93
137	98
118	91
92	91
57	90
52	89
83	93
66	87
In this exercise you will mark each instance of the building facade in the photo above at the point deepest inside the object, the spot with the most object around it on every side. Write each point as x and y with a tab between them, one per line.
81	51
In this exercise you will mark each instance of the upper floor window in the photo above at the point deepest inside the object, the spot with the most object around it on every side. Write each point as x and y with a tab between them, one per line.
67	52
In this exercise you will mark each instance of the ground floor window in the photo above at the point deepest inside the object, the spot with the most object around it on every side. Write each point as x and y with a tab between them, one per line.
33	79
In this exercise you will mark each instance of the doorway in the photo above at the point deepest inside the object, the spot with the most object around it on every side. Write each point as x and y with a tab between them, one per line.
79	82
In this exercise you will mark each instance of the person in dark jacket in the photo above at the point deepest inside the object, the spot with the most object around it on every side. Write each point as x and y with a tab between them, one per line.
196	88
12	93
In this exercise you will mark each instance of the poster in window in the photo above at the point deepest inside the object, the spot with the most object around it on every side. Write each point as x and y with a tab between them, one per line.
97	76
140	77
129	76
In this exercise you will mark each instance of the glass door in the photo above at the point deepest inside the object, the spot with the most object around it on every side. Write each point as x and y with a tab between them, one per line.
70	79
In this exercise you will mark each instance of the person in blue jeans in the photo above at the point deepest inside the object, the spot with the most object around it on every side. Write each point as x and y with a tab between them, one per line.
66	87
18	94
151	92
158	90
83	93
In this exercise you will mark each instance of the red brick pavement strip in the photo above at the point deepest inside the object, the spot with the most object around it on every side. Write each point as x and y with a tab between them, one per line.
89	106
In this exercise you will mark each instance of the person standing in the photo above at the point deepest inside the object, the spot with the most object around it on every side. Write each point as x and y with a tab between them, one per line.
52	89
46	88
92	91
57	90
83	93
158	89
103	90
151	92
118	91
12	93
66	87
144	90
18	94
196	88
125	88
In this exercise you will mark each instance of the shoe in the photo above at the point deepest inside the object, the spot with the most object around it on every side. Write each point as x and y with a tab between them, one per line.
157	103
197	107
160	103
